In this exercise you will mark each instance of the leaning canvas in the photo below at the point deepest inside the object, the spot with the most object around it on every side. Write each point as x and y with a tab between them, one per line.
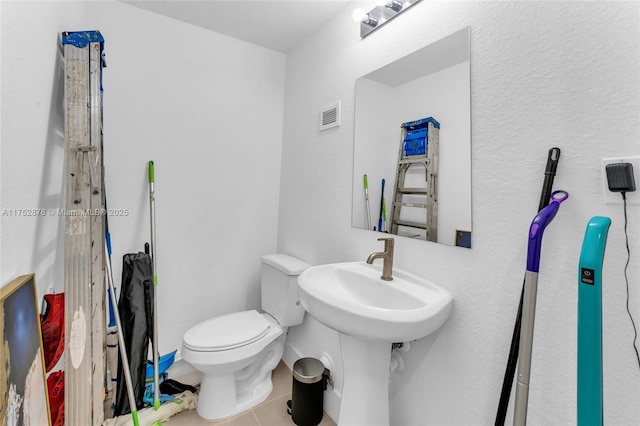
23	386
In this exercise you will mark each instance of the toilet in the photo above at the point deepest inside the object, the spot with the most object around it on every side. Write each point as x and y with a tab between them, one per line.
237	352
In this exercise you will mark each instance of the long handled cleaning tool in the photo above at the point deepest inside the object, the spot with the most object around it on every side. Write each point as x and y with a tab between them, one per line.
152	213
366	197
384	216
121	344
539	223
382	210
590	412
112	330
512	361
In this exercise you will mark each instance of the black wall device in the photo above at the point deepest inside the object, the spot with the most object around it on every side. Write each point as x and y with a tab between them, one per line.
620	177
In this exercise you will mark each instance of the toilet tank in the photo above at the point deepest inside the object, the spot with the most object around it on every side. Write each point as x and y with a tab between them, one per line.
279	288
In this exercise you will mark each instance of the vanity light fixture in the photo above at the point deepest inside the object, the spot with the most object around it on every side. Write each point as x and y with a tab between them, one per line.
394	5
359	15
380	15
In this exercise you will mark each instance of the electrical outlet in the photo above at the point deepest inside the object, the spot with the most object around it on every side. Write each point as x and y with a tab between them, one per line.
615	197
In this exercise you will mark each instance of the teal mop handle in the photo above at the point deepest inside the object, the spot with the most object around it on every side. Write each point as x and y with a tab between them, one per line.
590	401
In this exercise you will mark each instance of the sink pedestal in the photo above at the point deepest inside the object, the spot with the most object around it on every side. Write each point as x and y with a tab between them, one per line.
365	392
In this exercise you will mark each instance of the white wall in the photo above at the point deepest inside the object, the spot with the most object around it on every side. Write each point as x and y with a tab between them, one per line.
543	74
208	110
378	136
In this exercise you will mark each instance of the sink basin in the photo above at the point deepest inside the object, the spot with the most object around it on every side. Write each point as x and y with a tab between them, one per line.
370	314
352	298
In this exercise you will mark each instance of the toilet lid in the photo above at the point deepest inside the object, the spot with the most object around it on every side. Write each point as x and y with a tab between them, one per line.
227	332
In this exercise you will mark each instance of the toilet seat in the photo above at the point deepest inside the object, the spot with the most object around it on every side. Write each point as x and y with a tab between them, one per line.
227	332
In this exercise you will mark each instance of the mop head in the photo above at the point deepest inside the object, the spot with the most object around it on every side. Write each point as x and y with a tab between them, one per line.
148	416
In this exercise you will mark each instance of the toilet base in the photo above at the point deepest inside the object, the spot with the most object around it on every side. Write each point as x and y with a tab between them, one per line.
220	400
223	396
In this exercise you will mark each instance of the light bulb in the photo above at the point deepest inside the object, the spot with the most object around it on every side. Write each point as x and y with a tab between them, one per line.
359	15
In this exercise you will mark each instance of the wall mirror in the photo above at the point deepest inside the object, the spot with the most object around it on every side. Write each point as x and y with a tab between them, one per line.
413	143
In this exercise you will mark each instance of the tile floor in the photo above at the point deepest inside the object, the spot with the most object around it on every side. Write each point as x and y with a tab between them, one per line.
272	412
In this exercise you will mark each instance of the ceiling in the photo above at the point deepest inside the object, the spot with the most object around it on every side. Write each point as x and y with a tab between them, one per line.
277	25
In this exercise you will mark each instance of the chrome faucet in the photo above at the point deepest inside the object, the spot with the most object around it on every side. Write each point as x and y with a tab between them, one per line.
387	257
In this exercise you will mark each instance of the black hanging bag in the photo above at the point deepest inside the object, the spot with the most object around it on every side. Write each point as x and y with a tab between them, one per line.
136	314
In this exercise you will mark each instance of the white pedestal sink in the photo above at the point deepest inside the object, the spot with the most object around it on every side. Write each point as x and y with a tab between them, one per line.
370	314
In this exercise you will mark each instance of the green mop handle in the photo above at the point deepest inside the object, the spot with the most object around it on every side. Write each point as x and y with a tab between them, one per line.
152	212
384	215
152	199
151	174
366	197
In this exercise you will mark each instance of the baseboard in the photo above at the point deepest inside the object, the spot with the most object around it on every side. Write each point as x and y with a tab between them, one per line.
290	355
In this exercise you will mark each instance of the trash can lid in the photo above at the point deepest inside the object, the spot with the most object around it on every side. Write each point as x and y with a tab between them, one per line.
308	370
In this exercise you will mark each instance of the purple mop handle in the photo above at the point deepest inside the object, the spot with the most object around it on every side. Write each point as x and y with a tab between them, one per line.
539	223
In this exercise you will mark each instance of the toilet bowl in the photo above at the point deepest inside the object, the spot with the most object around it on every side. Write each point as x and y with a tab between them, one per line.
237	352
236	366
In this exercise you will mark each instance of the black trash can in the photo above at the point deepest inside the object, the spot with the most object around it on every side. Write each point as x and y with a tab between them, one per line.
309	384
